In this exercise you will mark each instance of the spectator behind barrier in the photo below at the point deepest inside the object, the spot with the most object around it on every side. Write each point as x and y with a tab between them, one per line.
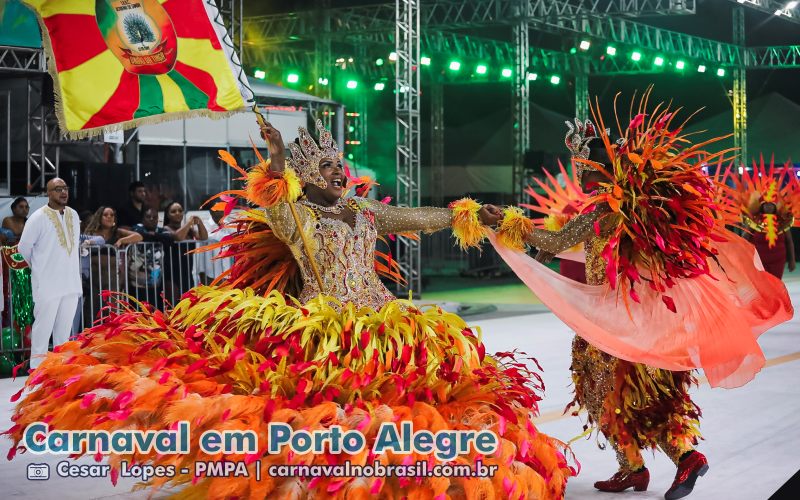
15	223
104	223
133	211
146	261
179	266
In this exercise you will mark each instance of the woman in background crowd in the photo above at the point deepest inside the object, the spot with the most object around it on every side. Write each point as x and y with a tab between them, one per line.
179	266
103	268
104	223
15	223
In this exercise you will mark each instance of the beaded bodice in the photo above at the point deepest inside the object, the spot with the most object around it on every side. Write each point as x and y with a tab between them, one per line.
345	255
345	259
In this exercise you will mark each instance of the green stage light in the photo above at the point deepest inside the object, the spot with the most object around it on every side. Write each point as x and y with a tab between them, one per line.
292	78
260	74
658	61
481	69
636	55
425	61
380	86
351	129
701	68
351	84
680	65
322	81
585	44
455	66
555	79
506	73
612	51
532	77
720	72
573	50
350	156
379	62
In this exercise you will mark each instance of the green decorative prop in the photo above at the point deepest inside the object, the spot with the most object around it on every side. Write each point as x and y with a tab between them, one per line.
6	365
9	340
21	294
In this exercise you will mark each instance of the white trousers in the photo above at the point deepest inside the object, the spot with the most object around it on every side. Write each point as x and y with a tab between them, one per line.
51	317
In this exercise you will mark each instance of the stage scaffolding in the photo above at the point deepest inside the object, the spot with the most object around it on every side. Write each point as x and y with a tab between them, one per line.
436	28
311	40
407	111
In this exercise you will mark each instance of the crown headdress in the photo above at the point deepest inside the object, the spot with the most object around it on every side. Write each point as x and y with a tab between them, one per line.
307	155
577	141
579	136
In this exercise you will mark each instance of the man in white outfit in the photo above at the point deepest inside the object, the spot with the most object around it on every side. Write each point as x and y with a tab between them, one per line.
50	244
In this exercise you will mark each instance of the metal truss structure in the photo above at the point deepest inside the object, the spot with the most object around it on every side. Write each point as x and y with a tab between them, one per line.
446	44
443	23
360	106
232	12
407	109
591	18
771	7
437	144
21	59
454	14
520	103
44	152
42	157
772	57
740	89
436	28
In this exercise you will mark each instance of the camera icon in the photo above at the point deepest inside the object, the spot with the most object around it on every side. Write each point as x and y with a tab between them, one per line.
38	472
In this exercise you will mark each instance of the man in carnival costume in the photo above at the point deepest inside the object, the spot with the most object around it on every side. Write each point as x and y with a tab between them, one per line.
670	290
769	198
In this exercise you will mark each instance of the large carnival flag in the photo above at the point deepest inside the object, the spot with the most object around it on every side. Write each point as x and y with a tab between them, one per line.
121	63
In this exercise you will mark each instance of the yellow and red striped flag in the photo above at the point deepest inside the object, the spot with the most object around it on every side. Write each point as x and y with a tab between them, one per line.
121	63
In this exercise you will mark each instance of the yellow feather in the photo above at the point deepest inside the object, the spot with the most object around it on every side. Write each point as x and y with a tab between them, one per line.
514	228
467	227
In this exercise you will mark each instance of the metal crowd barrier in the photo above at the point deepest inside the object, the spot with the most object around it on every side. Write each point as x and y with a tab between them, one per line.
150	272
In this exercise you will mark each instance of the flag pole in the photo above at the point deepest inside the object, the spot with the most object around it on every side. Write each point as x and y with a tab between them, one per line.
296	216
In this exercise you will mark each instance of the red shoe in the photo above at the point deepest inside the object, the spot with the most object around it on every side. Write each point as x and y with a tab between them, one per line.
621	481
689	469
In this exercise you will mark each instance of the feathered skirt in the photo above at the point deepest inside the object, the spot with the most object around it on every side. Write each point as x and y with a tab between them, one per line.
227	359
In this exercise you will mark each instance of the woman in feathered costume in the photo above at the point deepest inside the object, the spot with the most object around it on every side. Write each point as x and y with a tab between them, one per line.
240	355
768	199
669	290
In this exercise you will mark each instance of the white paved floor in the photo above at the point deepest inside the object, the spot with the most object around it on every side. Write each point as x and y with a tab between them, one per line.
752	438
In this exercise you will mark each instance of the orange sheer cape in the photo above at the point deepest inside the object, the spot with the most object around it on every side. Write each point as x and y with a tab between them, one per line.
716	328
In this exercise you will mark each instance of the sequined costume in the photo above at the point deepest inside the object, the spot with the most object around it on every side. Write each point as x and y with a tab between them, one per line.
634	406
344	253
669	288
775	185
241	354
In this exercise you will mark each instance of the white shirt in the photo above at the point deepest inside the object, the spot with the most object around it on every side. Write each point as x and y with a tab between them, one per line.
50	243
205	261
